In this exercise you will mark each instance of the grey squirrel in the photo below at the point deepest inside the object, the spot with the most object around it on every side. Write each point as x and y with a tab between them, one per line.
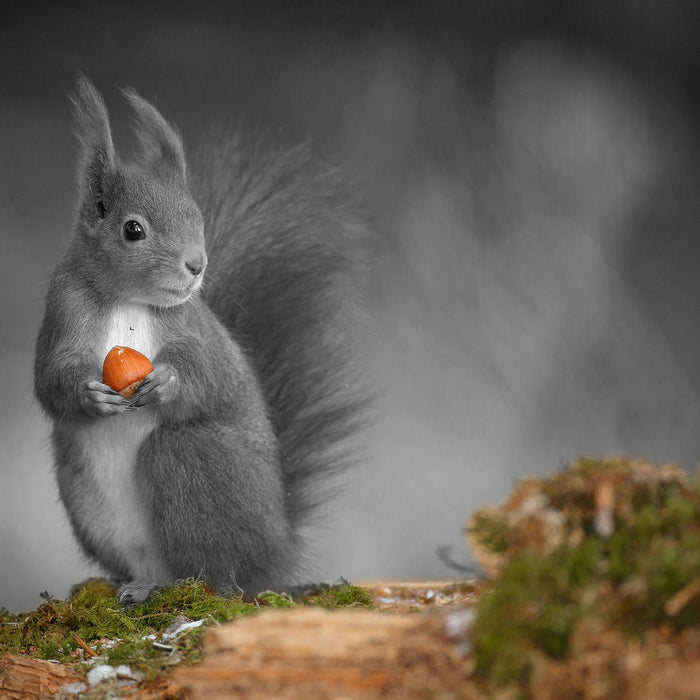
239	279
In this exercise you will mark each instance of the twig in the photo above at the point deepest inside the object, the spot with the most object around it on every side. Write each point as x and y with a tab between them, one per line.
83	645
676	603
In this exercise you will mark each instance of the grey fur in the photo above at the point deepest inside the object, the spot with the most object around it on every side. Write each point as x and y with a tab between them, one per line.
160	145
255	387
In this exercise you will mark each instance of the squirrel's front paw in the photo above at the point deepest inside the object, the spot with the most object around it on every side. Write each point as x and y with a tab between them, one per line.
97	399
159	387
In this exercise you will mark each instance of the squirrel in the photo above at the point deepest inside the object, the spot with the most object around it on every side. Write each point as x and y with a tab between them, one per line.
240	278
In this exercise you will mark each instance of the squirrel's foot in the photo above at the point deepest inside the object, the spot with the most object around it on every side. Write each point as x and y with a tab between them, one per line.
136	592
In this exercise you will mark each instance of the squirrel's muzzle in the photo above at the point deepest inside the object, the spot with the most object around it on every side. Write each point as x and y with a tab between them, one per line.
195	263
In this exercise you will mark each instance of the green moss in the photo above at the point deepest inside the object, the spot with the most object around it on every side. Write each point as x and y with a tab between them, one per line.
192	599
650	570
534	605
346	595
491	529
275	600
91	613
625	580
93	616
134	649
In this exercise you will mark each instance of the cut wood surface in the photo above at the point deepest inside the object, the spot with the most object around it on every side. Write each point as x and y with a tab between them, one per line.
316	653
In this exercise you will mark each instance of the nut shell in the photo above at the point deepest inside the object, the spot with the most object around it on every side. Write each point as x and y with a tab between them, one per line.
124	369
128	391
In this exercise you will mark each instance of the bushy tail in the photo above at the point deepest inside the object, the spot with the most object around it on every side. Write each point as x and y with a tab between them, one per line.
286	261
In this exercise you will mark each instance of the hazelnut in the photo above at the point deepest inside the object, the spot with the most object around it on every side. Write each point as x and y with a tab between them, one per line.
124	369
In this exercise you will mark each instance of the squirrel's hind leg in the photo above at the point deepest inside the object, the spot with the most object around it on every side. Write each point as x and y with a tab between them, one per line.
216	500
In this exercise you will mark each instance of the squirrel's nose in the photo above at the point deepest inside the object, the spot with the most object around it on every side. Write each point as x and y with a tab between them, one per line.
196	263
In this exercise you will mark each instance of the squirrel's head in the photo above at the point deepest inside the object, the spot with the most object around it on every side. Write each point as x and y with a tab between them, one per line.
141	229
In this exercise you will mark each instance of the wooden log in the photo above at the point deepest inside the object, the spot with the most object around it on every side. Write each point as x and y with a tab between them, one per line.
23	678
315	653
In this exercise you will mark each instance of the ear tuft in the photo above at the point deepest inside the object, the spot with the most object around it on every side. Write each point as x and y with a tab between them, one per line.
91	127
160	144
90	118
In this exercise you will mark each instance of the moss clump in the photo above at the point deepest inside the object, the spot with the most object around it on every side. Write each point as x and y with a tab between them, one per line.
92	617
641	571
491	529
92	613
326	596
275	600
192	599
534	606
346	595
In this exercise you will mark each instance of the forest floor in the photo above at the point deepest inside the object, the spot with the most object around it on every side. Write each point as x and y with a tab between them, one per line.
591	590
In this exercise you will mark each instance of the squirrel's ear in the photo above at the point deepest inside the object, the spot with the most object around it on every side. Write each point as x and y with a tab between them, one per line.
91	125
161	145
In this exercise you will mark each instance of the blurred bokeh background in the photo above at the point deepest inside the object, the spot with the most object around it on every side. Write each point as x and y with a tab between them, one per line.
531	171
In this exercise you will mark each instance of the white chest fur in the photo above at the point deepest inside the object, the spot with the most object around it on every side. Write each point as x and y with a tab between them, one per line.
111	446
133	326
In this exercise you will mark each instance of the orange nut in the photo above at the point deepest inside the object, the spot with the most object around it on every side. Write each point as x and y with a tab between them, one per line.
124	369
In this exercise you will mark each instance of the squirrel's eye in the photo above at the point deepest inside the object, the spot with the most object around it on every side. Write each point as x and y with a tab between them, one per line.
133	231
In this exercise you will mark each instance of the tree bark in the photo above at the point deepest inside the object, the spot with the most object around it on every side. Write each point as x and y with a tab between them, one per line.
315	653
22	678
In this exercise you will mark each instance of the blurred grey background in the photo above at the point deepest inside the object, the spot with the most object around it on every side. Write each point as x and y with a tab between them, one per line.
531	171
